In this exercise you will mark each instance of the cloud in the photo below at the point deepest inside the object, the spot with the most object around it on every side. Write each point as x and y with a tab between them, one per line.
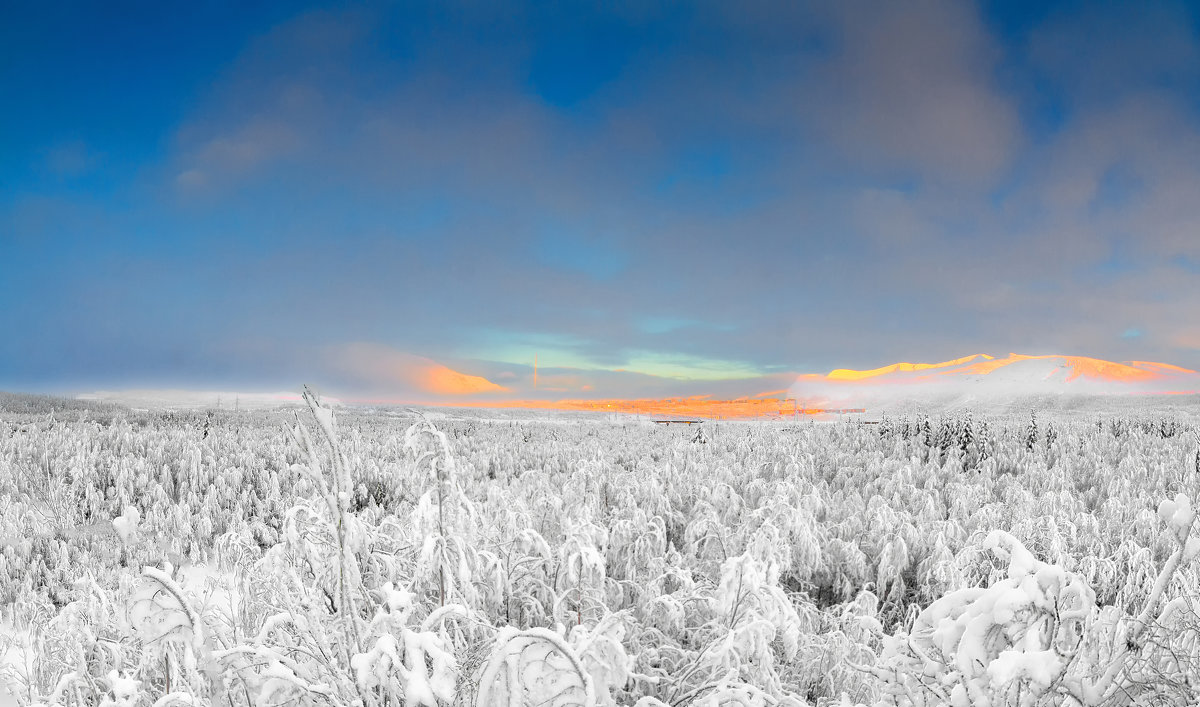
592	257
1187	338
381	370
235	152
601	384
191	179
888	194
71	159
253	144
740	191
1099	53
910	88
888	218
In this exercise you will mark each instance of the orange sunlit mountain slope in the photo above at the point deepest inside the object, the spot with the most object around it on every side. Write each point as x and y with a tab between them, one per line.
986	377
844	374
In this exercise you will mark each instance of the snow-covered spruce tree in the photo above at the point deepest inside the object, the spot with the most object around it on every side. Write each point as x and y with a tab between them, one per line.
966	443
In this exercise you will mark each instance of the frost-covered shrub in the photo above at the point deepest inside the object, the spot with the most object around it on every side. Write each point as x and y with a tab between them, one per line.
1036	637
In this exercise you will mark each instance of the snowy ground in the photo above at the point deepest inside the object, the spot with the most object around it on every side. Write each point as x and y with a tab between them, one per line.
178	557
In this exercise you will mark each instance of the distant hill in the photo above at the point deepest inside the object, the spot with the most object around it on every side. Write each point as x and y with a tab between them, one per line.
179	399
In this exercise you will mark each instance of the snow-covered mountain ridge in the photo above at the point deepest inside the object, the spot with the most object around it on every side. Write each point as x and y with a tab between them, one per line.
984	377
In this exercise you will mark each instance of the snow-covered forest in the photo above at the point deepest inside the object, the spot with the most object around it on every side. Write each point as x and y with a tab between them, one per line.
383	558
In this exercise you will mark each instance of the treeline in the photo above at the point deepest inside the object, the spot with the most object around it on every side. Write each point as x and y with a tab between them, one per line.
975	441
34	404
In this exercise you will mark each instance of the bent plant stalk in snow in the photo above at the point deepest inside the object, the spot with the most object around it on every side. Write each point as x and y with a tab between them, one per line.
337	504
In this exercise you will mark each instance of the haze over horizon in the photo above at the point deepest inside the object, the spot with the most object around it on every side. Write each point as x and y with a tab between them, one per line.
411	202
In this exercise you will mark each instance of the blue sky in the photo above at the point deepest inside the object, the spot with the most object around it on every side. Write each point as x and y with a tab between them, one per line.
653	198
